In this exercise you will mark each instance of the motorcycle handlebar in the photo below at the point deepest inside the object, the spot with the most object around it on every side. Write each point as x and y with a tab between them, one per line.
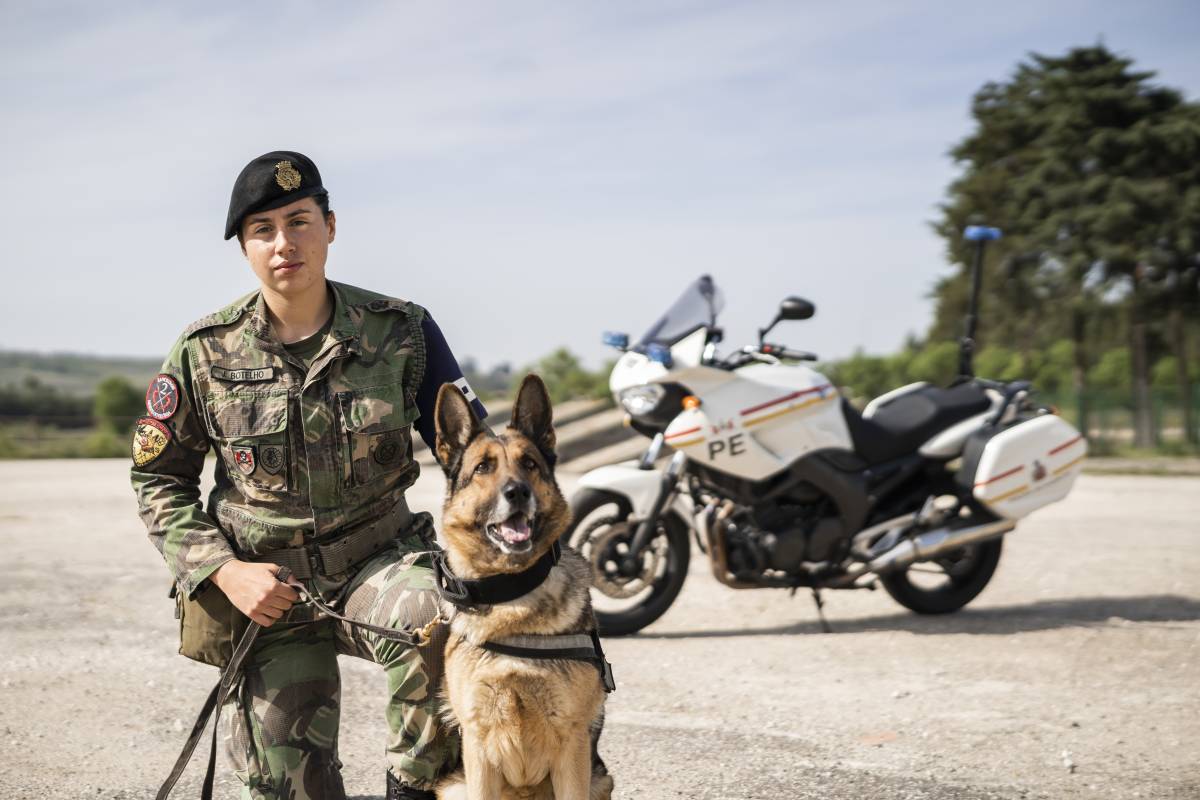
748	354
780	351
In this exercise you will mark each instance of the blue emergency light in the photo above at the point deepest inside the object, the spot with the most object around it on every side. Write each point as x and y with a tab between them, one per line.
981	233
617	340
660	354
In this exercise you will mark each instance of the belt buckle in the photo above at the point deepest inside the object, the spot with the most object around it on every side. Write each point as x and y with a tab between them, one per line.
315	562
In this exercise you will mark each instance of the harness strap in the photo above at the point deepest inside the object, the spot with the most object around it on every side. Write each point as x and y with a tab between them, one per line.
566	647
492	589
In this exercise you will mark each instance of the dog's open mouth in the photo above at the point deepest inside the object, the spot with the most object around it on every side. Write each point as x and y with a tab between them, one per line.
513	535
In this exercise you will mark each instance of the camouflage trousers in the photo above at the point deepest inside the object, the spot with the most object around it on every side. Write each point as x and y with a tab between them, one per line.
284	731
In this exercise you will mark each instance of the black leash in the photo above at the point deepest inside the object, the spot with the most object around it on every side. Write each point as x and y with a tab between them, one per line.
492	589
212	708
415	637
231	676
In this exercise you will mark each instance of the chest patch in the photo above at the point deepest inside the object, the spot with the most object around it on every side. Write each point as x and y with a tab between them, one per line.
270	456
244	458
243	375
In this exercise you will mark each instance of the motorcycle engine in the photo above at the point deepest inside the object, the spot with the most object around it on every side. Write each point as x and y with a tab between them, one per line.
781	537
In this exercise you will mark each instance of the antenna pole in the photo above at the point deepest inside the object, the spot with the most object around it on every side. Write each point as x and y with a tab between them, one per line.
980	235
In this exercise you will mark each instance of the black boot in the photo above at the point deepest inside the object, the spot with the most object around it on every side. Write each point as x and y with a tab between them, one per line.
402	791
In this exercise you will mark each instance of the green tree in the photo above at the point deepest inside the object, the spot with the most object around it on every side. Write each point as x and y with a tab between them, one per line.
861	376
937	363
567	379
1076	158
117	404
1053	372
1112	370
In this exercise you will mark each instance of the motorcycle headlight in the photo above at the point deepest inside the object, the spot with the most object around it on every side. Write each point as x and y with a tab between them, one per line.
641	400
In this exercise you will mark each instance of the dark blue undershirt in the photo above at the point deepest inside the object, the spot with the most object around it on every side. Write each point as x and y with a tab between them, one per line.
440	367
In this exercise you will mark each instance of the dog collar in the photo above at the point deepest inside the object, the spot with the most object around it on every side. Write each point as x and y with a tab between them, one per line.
492	589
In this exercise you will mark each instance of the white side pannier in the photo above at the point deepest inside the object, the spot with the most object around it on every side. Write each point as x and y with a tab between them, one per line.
1019	468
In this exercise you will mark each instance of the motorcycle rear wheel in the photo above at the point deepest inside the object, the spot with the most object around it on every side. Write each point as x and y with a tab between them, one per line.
610	529
966	573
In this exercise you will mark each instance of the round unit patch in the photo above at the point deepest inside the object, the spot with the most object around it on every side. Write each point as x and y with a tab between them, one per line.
150	439
270	456
387	452
162	398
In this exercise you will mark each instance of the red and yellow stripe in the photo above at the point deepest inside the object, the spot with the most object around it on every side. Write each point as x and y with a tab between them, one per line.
770	404
672	437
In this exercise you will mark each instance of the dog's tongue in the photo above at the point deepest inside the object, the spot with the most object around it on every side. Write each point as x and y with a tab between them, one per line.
515	528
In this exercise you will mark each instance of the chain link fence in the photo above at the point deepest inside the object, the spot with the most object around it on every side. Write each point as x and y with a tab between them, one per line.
1110	418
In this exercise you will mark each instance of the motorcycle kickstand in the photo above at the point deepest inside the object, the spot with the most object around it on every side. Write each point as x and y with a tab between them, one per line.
816	594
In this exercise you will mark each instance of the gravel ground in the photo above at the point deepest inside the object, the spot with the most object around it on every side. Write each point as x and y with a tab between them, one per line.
1073	675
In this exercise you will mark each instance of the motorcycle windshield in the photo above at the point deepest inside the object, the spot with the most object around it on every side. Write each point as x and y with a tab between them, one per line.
697	307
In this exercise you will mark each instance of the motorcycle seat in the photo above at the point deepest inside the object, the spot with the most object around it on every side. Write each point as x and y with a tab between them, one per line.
901	426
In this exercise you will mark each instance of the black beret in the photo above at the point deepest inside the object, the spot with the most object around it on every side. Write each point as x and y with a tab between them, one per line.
271	181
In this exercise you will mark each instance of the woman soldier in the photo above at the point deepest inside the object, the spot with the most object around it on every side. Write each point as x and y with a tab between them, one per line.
307	390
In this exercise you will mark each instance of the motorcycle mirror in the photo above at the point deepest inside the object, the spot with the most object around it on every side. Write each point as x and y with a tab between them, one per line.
792	308
796	308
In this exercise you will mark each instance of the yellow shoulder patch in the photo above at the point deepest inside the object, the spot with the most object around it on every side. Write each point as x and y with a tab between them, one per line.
150	439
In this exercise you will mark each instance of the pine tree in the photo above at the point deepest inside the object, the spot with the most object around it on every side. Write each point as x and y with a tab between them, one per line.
1076	158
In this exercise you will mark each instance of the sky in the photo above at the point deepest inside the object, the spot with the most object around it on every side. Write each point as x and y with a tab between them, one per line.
534	173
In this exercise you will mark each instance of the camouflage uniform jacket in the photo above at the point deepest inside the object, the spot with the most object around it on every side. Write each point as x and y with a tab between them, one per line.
301	455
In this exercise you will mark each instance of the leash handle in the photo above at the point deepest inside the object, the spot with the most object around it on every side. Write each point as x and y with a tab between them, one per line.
212	707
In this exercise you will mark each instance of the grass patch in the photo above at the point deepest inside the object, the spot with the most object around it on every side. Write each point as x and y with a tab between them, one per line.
29	440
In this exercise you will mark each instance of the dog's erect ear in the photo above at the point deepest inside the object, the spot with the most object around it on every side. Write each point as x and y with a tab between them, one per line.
457	426
532	415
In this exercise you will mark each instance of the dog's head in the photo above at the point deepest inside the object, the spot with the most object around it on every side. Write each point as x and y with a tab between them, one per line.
503	506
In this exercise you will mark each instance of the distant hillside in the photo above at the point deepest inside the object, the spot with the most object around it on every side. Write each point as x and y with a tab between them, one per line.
72	373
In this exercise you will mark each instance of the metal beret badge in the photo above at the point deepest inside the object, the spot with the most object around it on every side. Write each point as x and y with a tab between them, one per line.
286	176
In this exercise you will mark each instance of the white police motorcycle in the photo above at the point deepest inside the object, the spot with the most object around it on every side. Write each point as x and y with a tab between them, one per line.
783	483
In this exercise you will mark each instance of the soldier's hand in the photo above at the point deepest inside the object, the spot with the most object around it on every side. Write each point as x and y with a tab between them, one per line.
254	590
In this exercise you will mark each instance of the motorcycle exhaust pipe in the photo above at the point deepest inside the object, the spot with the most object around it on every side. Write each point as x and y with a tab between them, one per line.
932	544
926	546
711	522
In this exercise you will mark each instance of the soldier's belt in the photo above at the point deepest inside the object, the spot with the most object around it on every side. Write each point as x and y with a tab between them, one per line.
340	554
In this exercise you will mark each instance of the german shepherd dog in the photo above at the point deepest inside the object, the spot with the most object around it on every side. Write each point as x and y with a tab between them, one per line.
529	726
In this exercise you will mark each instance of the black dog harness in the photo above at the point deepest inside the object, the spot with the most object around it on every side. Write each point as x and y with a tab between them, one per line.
505	587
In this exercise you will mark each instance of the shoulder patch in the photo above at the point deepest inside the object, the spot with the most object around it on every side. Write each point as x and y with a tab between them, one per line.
162	397
150	439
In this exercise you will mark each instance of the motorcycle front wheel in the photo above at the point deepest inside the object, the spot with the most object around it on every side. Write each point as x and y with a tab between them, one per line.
948	583
601	531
